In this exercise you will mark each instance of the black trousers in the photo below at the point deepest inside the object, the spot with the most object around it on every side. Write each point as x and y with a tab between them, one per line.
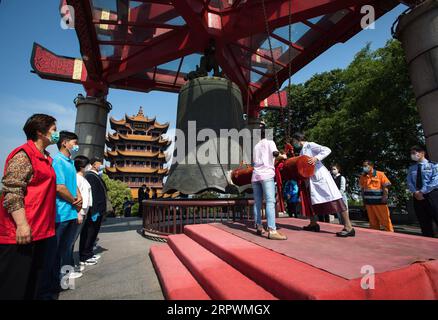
427	212
21	269
89	234
293	209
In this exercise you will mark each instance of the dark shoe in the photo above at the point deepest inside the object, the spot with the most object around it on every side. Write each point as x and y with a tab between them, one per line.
345	233
314	228
260	230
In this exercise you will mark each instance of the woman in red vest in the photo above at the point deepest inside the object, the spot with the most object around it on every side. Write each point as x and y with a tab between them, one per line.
27	210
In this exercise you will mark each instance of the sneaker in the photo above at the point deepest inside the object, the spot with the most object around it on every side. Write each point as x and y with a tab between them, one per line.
79	268
97	257
75	275
89	262
345	233
275	235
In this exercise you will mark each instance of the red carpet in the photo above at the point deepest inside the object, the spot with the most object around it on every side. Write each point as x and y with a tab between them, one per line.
175	279
342	257
227	266
219	279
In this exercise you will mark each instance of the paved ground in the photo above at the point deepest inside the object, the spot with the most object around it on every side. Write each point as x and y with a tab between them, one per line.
124	271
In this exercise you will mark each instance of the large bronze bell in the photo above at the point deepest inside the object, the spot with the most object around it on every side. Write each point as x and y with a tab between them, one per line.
210	103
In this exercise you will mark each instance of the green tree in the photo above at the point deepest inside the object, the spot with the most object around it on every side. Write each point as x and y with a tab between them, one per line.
367	111
117	191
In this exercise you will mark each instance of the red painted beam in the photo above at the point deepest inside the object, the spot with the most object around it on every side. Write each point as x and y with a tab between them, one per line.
165	48
236	22
193	13
50	66
231	68
344	30
87	37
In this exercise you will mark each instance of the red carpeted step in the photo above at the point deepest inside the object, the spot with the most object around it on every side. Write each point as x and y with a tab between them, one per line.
177	282
219	279
284	277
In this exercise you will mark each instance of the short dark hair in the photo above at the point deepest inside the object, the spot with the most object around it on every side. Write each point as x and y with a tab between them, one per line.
81	162
418	148
66	136
96	159
299	136
370	162
336	165
38	122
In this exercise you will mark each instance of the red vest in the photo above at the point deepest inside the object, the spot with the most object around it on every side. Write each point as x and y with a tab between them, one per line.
39	199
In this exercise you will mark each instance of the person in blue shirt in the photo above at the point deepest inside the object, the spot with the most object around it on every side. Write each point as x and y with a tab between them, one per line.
68	206
423	184
292	197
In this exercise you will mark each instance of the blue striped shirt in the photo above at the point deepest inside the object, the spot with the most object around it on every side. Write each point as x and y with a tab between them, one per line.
429	173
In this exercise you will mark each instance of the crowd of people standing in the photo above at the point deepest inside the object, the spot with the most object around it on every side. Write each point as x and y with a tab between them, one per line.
325	193
47	204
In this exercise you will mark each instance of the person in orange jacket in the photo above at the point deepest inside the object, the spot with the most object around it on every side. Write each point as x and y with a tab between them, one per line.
374	185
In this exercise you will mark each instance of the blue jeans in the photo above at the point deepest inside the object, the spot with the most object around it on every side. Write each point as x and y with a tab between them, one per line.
75	238
58	253
264	188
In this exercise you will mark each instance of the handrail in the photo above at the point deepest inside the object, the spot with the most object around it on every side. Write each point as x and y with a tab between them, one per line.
162	218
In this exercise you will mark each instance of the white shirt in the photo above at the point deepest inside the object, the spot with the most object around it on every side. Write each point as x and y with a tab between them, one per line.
322	186
264	161
87	197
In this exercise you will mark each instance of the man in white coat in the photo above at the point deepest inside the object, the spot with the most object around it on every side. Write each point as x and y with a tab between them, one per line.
324	194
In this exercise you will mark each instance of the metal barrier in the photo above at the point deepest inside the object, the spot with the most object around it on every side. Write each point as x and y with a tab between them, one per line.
162	218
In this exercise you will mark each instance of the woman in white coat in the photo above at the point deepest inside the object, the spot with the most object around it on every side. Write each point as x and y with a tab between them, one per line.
324	194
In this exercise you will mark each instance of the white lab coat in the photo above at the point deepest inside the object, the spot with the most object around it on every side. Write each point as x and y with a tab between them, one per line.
322	186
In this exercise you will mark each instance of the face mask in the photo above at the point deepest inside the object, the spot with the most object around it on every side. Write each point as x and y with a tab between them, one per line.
415	157
334	172
100	170
366	169
297	146
74	150
54	137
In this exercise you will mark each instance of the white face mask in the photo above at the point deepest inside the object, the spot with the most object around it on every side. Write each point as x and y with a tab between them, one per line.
415	157
335	172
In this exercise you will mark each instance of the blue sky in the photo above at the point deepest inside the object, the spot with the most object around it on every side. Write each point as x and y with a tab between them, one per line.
23	93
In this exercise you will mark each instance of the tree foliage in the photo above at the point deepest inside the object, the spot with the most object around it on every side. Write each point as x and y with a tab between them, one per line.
117	191
366	111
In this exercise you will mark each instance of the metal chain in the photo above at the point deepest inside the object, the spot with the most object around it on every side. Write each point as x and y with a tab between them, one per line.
274	67
289	102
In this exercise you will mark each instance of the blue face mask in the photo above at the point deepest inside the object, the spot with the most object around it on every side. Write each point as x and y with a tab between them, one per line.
54	137
366	169
74	151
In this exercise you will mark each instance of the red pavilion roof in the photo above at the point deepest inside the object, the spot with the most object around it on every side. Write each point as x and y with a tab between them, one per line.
152	45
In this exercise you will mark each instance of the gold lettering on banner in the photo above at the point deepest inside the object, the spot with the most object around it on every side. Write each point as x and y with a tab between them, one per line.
77	69
104	16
